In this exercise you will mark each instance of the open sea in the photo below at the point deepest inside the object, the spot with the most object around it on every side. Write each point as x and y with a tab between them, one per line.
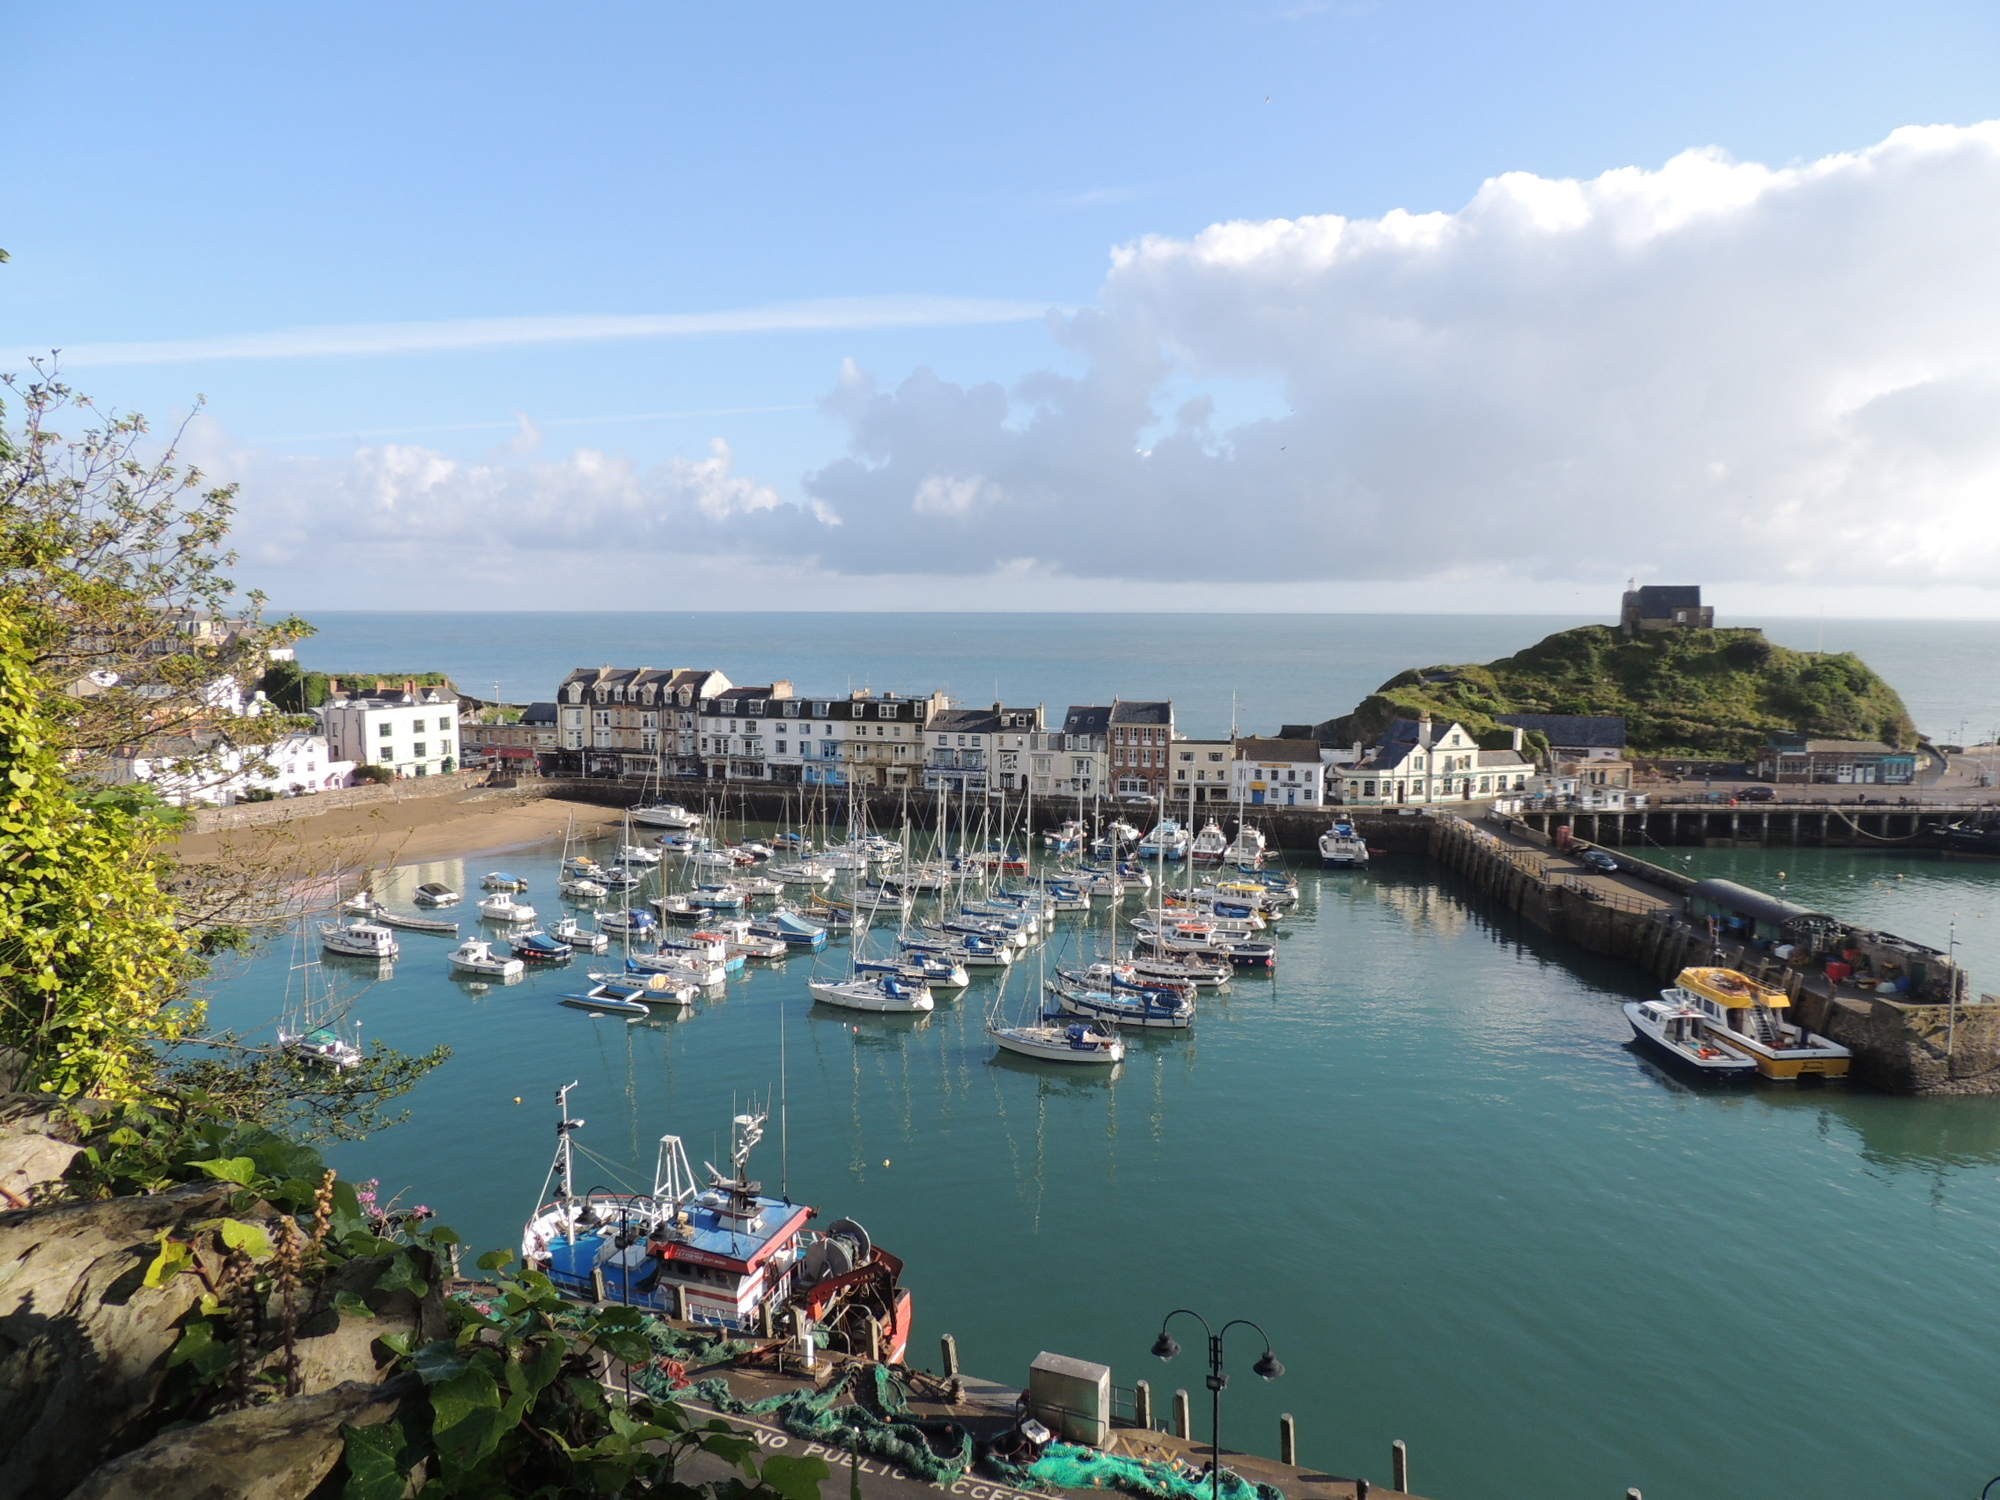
1422	1153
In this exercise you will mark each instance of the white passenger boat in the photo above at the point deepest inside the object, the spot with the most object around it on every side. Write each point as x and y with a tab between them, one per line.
885	995
1751	1018
666	815
1341	847
502	907
476	956
358	939
1679	1033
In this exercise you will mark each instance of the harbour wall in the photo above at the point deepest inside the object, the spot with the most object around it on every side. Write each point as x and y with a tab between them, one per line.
369	794
1923	1046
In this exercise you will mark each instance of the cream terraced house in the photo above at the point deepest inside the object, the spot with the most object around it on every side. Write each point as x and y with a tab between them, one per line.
1203	768
1417	764
412	733
636	721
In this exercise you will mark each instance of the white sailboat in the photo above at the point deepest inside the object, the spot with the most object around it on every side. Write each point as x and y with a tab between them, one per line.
310	1030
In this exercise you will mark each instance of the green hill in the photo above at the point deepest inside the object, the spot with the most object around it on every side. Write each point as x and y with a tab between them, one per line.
1683	692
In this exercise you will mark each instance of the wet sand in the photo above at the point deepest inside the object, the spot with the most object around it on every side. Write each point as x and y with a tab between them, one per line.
405	832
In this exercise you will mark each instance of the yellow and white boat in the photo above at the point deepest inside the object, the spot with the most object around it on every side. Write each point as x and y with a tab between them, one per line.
1750	1017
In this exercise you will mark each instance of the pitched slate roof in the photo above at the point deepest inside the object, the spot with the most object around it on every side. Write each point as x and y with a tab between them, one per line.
539	713
1659	600
1572	731
1086	718
1125	711
1300	750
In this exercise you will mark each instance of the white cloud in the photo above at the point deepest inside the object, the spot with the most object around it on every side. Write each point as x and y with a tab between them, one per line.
827	315
1710	368
1711	371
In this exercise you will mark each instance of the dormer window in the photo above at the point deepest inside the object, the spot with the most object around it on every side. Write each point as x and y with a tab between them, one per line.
791	708
886	710
756	705
687	697
821	710
729	705
600	695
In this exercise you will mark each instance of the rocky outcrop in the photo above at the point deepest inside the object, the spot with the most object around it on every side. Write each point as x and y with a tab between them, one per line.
83	1343
284	1451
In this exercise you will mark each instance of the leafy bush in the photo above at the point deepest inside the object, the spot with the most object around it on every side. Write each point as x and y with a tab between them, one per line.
378	775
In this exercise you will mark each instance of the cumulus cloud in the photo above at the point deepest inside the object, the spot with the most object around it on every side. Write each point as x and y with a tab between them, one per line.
1713	370
1712	364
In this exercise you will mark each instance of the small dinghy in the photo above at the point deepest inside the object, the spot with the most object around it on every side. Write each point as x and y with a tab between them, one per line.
504	908
476	956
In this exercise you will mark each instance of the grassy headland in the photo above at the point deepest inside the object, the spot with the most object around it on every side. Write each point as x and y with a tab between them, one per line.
1681	692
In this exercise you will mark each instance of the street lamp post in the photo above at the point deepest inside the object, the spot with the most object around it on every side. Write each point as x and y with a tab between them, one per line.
1164	1348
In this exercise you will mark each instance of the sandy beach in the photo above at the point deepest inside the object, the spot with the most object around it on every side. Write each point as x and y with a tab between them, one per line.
406	832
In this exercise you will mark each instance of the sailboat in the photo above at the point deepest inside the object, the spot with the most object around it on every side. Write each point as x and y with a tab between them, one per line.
887	993
309	1030
1048	1039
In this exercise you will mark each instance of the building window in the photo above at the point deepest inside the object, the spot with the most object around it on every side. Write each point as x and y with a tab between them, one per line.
781	747
885	711
792	708
418	750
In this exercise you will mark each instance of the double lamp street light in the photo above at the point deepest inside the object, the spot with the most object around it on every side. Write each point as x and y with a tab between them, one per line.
1267	1366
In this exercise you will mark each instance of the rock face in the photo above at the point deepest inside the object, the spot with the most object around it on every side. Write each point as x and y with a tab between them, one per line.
279	1452
83	1344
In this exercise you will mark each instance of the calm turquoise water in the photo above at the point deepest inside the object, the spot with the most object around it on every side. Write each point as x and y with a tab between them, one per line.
1279	668
1422	1156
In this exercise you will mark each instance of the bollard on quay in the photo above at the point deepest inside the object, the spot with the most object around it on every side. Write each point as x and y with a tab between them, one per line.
950	1347
1142	1404
1288	1440
1183	1422
1399	1465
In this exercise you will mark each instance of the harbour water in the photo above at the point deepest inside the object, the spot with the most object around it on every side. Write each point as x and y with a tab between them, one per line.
1273	669
1422	1155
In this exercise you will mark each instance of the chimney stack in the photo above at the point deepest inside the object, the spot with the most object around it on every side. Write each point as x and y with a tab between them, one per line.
1424	730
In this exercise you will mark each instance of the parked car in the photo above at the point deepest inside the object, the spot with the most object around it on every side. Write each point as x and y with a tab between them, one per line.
1758	794
1597	859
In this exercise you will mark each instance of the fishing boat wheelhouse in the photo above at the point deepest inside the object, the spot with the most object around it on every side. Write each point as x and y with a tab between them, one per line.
723	1255
1751	1018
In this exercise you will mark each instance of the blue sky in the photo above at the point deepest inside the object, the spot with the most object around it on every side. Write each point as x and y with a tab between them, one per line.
941	176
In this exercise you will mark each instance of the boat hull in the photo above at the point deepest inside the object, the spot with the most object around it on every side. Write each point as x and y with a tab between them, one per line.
1052	1044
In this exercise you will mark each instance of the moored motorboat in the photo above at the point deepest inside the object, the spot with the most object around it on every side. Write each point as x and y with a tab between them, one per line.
504	908
666	815
1065	836
637	854
1750	1017
436	893
502	880
476	956
358	939
629	921
790	929
1211	844
1247	848
1168	840
582	888
572	931
1679	1033
1341	847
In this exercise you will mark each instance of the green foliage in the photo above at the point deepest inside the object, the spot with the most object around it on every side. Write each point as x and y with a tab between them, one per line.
1698	692
380	775
93	971
297	1095
515	1403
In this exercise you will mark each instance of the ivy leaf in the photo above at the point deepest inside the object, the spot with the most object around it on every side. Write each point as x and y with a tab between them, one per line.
439	1362
793	1477
402	1276
374	1462
494	1260
193	1340
238	1169
351	1306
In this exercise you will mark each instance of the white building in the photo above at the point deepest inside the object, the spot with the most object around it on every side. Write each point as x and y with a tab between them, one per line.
1279	773
186	772
412	733
1418	764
